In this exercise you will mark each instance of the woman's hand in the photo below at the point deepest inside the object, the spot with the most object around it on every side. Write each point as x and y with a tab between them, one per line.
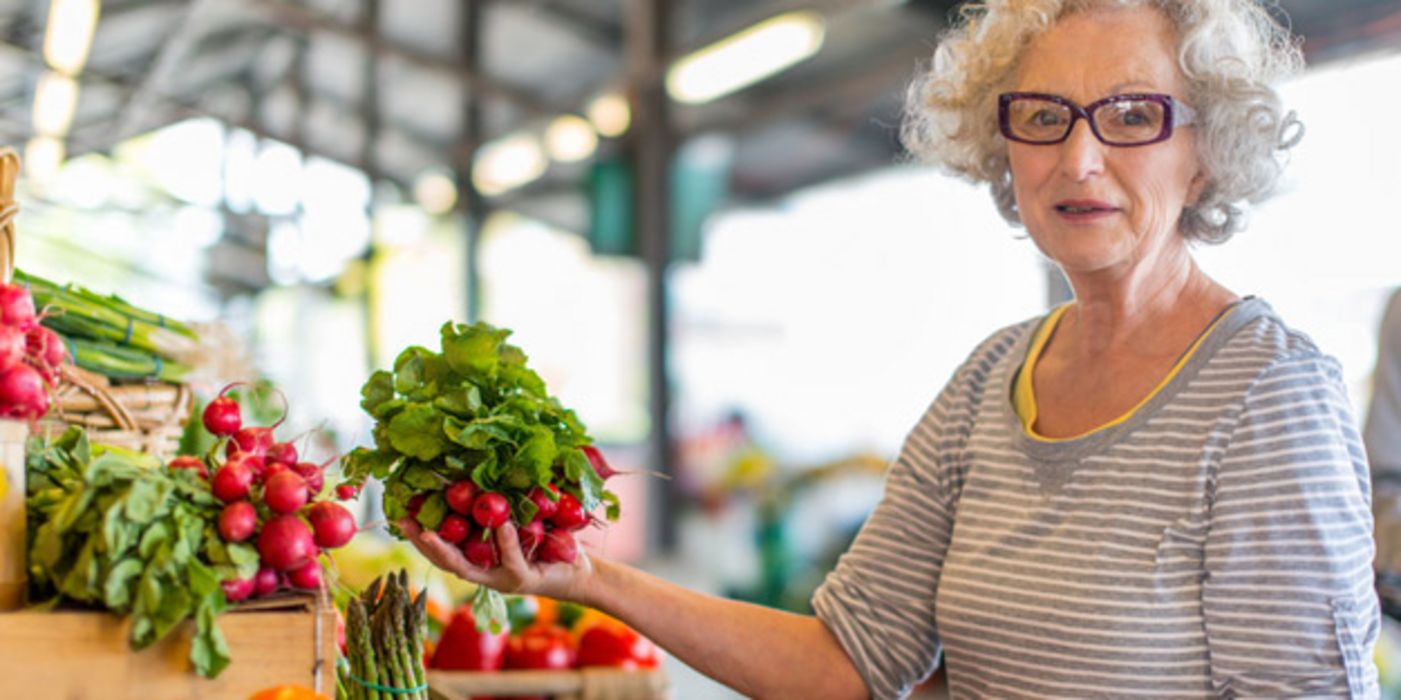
514	575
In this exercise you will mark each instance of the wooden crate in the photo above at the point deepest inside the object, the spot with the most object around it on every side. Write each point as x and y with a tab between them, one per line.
583	684
84	655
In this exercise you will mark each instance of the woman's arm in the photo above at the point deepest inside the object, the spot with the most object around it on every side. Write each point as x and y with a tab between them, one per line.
760	652
1287	600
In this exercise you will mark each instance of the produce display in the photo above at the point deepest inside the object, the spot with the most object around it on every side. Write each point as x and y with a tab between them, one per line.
271	501
30	356
112	528
385	628
543	635
468	438
108	336
162	543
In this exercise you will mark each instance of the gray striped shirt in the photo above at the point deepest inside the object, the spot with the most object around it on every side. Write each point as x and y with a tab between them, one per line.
1216	543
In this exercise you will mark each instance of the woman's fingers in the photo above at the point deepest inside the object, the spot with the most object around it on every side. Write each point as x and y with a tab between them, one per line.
443	555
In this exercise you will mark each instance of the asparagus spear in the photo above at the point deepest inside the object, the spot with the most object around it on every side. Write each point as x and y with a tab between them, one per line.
418	627
364	649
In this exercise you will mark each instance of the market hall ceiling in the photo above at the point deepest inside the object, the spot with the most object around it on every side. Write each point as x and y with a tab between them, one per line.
383	84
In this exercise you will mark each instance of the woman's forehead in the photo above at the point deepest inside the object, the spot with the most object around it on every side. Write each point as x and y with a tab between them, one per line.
1102	52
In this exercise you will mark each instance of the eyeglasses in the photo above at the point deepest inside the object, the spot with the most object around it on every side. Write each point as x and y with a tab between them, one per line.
1117	120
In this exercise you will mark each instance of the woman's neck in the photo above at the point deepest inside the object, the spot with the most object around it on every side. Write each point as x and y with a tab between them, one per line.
1144	314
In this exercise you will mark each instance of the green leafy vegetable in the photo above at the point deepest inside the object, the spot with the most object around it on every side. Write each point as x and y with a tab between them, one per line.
113	528
473	411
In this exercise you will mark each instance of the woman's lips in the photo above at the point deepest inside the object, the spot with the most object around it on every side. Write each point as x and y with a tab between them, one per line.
1084	209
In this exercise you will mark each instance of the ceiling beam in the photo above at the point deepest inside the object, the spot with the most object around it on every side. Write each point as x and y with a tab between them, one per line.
306	21
173	52
179	106
593	29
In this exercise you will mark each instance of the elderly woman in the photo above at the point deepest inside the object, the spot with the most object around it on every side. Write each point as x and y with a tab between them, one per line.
1155	490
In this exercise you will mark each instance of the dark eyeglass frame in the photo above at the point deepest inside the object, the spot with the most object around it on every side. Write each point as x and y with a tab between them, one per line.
1175	114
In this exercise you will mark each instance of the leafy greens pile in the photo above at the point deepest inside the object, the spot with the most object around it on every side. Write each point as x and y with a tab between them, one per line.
115	529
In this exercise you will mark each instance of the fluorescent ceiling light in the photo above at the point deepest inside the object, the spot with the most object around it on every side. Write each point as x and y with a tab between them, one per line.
508	163
570	139
43	156
68	36
610	115
435	192
55	101
746	57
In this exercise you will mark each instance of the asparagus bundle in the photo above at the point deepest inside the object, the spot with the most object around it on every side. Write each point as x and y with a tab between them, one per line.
384	632
111	337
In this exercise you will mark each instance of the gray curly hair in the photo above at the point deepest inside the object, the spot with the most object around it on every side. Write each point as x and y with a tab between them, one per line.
1231	53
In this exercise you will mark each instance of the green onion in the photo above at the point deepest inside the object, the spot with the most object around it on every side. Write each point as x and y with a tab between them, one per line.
81	314
117	362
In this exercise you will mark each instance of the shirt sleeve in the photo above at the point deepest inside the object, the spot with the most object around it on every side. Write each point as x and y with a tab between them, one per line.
1287	599
1382	436
879	600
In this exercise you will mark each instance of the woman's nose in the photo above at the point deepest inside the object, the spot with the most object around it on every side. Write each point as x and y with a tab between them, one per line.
1081	154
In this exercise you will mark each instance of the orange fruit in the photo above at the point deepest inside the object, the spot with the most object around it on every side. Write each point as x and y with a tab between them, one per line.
287	692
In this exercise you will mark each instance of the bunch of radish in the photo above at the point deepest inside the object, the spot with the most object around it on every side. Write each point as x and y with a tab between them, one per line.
30	355
548	537
273	501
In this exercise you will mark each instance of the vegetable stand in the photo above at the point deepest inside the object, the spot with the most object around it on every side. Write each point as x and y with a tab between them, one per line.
85	655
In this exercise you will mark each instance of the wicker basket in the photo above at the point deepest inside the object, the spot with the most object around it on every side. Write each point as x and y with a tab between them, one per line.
148	416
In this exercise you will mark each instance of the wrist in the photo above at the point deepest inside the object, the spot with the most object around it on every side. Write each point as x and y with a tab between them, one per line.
591	588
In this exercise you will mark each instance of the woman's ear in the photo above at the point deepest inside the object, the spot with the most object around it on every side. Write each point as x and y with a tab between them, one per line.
1195	188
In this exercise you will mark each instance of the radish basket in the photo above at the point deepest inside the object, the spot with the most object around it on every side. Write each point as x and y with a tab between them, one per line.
143	415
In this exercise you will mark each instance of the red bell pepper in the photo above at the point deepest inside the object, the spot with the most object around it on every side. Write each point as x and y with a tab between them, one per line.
617	646
463	648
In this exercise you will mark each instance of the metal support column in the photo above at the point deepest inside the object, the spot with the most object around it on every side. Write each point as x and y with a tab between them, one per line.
369	117
651	147
471	206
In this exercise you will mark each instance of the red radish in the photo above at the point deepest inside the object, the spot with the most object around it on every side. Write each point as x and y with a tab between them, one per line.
282	452
237	521
559	546
46	346
16	306
313	474
570	514
600	465
270	470
481	552
12	346
415	503
236	589
254	441
223	417
188	462
454	529
307	576
230	482
531	535
22	393
543	502
266	581
460	495
286	543
491	510
334	525
285	492
345	492
252	463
